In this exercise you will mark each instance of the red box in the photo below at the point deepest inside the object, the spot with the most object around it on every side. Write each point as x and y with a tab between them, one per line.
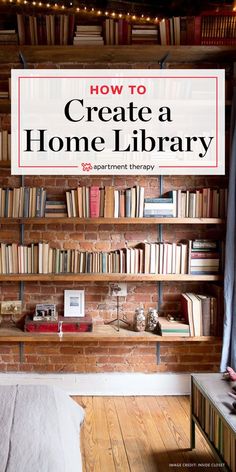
69	325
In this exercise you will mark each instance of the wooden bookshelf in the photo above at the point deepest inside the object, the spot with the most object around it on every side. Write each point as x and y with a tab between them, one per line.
104	333
97	277
114	221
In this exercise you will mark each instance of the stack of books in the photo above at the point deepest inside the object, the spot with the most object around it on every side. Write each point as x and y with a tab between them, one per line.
21	202
201	313
172	328
144	34
161	207
5	144
8	37
94	202
88	35
204	256
55	209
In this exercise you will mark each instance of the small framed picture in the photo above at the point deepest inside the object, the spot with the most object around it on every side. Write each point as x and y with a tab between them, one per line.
74	303
45	312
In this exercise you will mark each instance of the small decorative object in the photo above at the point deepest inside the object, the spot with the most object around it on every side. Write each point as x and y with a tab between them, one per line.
230	374
74	303
139	320
170	318
152	319
10	311
45	312
11	307
117	290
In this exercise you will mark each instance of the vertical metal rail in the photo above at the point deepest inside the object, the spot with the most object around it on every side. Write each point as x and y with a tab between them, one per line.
161	63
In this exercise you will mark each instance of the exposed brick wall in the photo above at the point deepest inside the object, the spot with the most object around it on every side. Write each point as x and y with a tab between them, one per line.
100	357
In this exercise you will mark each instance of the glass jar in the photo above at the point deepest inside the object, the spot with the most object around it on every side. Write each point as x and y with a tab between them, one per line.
152	319
139	320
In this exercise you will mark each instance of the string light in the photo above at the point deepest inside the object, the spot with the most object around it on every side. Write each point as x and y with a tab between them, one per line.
93	11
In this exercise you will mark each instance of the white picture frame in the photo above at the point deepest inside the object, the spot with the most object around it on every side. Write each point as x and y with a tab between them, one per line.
74	303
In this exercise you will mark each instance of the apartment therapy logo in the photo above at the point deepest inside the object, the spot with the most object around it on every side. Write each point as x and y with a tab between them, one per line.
118	123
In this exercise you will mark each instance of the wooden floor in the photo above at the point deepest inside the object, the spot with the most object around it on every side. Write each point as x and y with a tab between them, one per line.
140	434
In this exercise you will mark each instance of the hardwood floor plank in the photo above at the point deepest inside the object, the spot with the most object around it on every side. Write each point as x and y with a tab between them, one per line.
180	424
89	433
171	445
173	418
140	434
116	438
134	454
103	438
157	452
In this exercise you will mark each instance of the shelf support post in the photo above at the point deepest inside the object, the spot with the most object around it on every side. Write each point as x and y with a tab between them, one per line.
158	353
21	352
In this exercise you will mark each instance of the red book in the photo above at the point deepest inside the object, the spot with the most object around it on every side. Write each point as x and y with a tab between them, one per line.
94	202
120	32
197	30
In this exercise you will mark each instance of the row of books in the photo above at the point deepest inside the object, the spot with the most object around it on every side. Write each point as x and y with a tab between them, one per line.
116	32
200	313
21	202
210	29
205	29
200	203
144	258
218	432
218	30
5	145
45	29
107	202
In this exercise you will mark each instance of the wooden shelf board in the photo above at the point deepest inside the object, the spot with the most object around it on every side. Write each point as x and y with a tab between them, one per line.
115	54
107	334
127	53
98	277
115	221
5	164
